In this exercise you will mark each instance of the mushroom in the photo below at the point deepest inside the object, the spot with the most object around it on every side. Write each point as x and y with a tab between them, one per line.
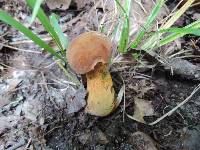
89	54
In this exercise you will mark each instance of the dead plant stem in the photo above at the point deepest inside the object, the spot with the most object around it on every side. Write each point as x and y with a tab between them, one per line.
178	106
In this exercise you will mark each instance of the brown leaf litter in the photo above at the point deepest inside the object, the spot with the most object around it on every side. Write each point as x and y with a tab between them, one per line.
142	108
58	4
33	100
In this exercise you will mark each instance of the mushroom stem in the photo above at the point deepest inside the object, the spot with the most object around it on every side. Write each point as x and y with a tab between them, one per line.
101	96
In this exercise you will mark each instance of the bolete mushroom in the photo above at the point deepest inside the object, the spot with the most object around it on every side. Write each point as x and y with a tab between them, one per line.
89	54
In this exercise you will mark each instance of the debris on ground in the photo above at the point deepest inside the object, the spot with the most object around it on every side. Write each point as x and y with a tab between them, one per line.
142	141
142	108
41	108
58	4
183	68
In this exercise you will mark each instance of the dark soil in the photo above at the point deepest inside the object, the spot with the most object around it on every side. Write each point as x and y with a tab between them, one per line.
112	133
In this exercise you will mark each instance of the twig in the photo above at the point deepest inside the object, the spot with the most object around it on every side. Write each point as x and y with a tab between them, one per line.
171	13
48	66
19	49
57	127
195	4
178	106
4	34
140	4
124	105
20	69
46	39
28	144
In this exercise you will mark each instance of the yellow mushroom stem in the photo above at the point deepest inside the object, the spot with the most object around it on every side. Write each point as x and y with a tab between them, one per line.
101	94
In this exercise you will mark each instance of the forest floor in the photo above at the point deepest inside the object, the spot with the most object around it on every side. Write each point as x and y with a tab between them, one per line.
35	94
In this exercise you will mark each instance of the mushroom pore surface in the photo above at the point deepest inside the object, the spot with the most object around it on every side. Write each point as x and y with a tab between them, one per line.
87	50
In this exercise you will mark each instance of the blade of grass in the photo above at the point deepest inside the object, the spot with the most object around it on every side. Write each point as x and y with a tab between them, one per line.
124	38
148	23
121	7
64	41
153	40
35	10
12	22
177	15
46	23
181	30
175	36
71	77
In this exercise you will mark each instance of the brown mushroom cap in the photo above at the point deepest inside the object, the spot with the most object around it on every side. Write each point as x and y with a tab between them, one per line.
87	50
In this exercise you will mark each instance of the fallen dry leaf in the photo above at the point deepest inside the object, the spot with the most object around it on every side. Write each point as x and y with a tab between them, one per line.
10	81
142	108
58	4
31	109
82	3
101	94
71	100
76	101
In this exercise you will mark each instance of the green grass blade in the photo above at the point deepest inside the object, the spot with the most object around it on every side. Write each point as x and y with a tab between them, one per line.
154	40
121	7
46	23
124	38
12	22
185	31
35	10
174	36
148	23
71	77
64	41
177	15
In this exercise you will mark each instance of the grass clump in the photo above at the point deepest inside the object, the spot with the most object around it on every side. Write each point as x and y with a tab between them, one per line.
51	25
155	39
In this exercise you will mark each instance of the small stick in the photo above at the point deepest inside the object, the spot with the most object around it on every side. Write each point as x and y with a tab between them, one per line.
124	105
46	39
57	127
28	144
19	49
178	106
10	67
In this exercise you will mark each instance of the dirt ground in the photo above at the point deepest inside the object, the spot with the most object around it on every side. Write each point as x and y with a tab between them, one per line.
35	107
